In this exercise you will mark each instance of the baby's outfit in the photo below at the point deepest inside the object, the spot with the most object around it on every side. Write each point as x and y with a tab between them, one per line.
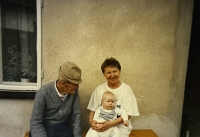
102	115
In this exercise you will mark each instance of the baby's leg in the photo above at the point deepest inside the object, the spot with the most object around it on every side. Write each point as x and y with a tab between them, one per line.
92	133
113	132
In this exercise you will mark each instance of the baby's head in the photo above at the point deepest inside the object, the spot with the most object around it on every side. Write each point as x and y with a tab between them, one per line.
108	100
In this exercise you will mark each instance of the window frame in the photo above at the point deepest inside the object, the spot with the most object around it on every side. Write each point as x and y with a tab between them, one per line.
24	87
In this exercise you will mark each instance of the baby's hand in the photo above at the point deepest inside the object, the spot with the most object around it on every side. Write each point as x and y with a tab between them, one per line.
126	123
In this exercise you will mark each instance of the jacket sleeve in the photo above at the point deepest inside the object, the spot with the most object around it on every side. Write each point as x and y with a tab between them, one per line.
76	117
36	122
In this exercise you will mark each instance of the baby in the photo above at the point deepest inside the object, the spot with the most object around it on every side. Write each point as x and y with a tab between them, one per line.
107	112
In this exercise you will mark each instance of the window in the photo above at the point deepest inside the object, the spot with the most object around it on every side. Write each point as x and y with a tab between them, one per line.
20	44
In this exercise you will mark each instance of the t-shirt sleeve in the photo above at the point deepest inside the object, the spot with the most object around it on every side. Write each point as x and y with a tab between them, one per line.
130	103
94	101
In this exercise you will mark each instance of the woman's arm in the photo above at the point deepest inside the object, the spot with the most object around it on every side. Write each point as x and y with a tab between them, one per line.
91	115
109	124
103	126
93	123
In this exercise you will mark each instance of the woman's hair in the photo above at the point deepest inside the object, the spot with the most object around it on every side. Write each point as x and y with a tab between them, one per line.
110	62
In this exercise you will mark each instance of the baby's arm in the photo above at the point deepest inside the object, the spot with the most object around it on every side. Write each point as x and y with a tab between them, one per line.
124	116
100	126
96	115
126	123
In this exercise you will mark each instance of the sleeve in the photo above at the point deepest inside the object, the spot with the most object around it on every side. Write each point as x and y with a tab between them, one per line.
94	102
130	103
76	117
122	113
36	122
96	114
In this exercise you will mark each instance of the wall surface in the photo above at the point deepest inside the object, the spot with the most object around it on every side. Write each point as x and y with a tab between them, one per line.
149	38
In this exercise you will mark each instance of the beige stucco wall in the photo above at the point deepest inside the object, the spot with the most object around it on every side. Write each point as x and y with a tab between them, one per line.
149	38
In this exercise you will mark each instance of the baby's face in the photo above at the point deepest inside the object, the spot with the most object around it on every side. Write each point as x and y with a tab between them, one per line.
108	102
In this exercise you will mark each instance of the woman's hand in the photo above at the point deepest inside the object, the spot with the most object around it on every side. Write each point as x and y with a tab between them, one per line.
95	124
105	126
101	126
98	126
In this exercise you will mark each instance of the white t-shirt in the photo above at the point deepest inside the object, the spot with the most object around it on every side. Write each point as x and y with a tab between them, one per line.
125	99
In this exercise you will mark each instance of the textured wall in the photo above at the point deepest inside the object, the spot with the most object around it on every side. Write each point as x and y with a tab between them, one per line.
14	117
143	35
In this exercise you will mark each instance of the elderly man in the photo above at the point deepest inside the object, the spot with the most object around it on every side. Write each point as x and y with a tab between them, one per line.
56	111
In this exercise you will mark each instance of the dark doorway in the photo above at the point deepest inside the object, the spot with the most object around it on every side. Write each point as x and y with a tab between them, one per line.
191	108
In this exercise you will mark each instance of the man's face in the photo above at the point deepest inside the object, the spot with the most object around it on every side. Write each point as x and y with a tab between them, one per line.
68	88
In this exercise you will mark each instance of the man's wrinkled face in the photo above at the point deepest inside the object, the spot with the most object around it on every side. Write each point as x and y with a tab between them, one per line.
68	88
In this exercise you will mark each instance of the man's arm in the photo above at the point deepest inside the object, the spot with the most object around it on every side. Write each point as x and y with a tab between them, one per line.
76	117
36	122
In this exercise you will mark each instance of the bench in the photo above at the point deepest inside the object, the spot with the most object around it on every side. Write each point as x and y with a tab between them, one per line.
134	133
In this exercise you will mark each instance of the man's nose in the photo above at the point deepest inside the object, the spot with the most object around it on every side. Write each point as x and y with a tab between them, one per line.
76	85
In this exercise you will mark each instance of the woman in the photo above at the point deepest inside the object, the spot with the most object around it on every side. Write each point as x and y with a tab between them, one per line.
125	98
